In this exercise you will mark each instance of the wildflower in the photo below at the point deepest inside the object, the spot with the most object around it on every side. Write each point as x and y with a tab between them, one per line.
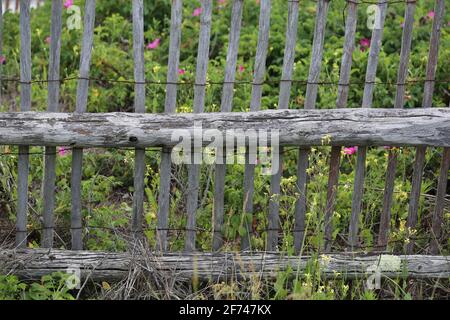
221	2
350	150
154	44
364	43
48	40
2	60
388	148
68	4
241	68
430	15
181	71
197	12
62	151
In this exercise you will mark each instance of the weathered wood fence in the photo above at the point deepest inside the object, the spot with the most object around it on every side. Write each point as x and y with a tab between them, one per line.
364	127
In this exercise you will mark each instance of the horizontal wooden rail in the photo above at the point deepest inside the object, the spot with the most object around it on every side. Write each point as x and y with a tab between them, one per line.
378	127
32	264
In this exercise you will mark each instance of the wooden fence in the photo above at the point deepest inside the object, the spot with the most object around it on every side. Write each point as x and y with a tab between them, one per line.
364	127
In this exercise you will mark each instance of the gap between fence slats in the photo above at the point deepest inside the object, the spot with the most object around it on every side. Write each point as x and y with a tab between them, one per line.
310	103
416	183
170	107
81	106
385	219
283	103
341	102
360	171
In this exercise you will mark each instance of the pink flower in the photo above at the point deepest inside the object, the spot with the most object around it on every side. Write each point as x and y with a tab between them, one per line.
241	68
154	44
48	40
62	151
197	12
364	43
402	24
68	4
430	15
350	150
221	1
181	71
2	60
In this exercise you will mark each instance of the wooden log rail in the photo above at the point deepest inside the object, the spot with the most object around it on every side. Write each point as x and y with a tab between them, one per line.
33	264
377	127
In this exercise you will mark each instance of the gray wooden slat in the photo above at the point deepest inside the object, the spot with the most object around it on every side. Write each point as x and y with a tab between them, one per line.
301	128
341	102
1	52
139	107
81	106
438	214
283	103
53	106
310	103
257	87
402	73
226	106
372	64
170	107
316	54
25	105
416	183
199	106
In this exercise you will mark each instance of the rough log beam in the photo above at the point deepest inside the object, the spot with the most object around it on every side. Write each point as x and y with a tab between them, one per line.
378	127
32	264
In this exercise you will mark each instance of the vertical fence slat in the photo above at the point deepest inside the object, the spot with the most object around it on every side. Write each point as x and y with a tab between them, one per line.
226	106
199	106
385	219
360	171
255	104
1	52
25	105
81	106
438	214
139	107
53	106
310	103
416	184
283	103
341	102
169	107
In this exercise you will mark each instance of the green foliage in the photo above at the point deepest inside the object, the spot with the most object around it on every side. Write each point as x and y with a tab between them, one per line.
51	287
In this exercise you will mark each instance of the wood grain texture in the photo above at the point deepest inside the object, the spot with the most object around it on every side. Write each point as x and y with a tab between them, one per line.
25	105
257	90
102	266
316	54
416	183
139	107
341	102
53	106
377	127
169	107
226	106
81	106
199	106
